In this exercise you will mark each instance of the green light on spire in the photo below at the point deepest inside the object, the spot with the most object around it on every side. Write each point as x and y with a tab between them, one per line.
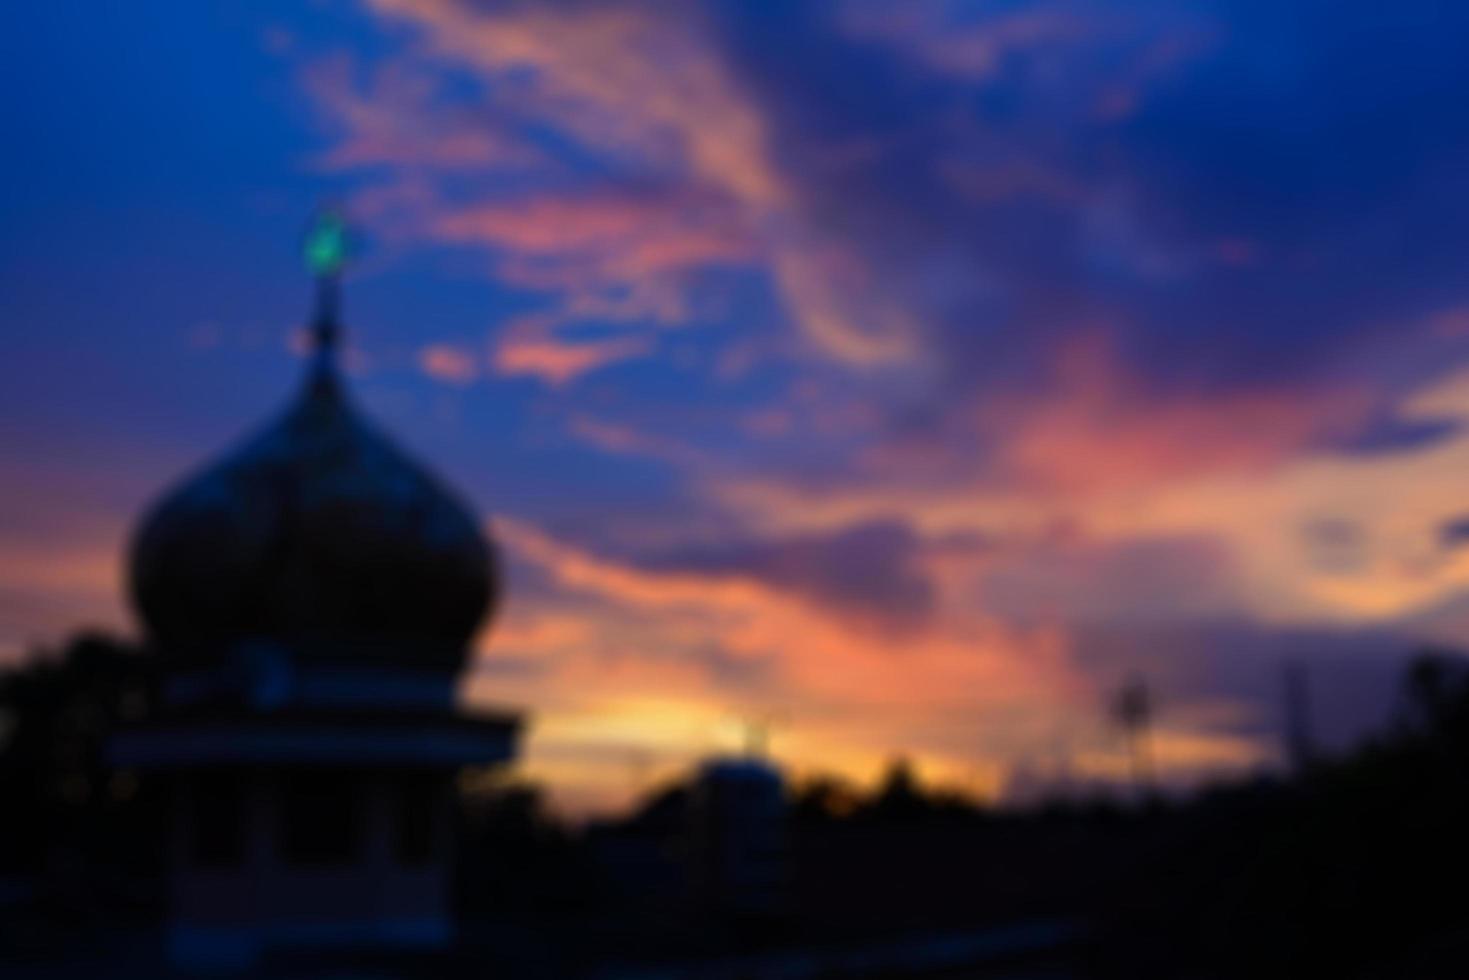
328	245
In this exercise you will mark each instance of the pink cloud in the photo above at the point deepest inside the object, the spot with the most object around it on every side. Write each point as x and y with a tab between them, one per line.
531	348
449	363
1097	426
951	40
626	77
1077	579
654	95
1450	323
391	114
834	295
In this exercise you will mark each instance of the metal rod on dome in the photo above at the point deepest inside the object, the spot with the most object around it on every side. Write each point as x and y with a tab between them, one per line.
327	246
325	323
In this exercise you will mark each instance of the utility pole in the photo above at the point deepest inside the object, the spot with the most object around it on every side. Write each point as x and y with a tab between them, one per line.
1132	708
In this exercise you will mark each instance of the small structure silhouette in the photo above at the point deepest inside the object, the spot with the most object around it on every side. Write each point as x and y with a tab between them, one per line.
736	843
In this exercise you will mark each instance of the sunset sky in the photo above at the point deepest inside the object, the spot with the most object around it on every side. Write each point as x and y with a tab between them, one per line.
904	373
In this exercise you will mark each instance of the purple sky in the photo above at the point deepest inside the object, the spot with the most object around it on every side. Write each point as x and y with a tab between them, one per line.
905	373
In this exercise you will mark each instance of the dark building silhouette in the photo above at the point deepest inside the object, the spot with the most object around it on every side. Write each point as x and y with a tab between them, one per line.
736	837
310	598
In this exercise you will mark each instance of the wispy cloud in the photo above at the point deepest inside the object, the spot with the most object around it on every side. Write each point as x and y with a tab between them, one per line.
531	347
449	363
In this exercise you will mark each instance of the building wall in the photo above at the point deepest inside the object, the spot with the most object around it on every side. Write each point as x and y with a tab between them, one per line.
229	911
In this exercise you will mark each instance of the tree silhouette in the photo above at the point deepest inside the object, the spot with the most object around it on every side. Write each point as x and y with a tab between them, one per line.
63	802
1434	685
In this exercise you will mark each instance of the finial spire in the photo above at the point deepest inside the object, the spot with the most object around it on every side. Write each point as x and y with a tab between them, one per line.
327	248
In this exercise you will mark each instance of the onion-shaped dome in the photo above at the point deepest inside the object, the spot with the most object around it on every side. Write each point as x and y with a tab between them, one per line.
318	537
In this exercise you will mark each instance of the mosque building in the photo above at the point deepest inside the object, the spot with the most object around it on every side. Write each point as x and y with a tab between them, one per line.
310	598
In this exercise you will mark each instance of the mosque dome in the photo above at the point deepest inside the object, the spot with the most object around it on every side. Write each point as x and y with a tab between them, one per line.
317	537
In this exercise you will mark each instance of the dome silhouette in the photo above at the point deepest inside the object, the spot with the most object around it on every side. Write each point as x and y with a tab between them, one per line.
317	537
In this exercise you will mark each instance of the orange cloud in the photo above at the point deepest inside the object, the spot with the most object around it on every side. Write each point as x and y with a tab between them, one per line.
449	363
530	348
609	240
845	697
49	589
